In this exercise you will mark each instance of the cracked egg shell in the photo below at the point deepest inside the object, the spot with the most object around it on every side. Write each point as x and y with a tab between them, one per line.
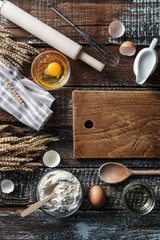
51	159
127	48
116	29
7	186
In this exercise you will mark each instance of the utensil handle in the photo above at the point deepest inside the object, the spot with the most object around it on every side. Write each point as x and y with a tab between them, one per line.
35	206
40	29
153	43
149	172
62	16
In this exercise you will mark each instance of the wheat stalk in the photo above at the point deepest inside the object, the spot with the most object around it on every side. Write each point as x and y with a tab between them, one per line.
14	63
30	49
14	93
15	46
16	56
28	150
22	140
5	35
33	164
15	52
44	141
8	139
15	159
45	136
19	169
3	45
17	153
4	126
32	155
9	163
4	61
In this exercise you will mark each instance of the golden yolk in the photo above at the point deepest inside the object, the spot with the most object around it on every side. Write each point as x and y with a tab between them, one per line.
54	69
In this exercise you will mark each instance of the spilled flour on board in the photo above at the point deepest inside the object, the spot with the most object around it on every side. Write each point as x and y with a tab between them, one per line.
84	230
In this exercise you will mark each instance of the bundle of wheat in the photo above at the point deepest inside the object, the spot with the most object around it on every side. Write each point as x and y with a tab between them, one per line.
20	153
17	53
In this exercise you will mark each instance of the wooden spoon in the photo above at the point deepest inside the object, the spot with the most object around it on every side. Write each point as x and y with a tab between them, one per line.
35	206
113	172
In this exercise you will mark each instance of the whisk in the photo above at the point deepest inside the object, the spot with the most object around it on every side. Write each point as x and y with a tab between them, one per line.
108	56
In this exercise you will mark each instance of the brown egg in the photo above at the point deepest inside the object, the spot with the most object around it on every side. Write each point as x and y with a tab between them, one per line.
97	196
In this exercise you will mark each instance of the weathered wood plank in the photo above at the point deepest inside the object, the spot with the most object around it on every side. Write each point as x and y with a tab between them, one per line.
25	187
121	75
141	19
65	148
62	107
83	225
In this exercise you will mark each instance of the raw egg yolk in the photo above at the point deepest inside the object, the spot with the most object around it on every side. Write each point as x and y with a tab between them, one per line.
54	69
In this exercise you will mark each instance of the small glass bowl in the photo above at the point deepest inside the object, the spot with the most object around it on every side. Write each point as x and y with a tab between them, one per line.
59	214
40	64
138	198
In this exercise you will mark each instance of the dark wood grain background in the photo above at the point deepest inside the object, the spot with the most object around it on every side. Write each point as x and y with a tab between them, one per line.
141	19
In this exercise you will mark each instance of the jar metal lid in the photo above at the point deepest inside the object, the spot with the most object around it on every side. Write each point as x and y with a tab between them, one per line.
138	198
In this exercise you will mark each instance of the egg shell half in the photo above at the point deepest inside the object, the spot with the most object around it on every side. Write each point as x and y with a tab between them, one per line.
7	186
51	159
96	196
127	48
116	29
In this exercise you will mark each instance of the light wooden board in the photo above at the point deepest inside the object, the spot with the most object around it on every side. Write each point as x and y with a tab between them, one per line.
125	124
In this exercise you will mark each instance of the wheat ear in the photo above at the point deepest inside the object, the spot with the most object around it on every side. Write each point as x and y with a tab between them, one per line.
30	49
15	159
9	163
4	61
14	63
19	169
14	93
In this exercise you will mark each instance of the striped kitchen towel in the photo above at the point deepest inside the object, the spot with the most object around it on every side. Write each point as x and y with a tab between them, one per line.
24	99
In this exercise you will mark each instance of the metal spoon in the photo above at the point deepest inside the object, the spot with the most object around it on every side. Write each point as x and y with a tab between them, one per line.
113	172
32	208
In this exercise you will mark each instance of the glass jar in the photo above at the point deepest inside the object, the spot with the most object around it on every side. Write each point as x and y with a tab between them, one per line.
138	198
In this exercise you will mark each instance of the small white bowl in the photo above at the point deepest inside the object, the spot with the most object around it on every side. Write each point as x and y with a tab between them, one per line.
51	159
7	186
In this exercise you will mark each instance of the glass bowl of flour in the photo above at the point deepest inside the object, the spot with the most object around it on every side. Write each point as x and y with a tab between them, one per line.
67	188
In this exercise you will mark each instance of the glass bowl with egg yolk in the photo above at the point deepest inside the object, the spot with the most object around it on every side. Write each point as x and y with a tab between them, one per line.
50	70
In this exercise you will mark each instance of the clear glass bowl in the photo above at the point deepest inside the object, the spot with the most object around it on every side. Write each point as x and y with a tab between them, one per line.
56	213
40	64
138	198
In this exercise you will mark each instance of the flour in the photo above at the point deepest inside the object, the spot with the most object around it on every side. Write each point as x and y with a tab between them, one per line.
68	190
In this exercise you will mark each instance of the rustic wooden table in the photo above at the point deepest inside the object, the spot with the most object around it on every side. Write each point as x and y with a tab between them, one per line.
141	19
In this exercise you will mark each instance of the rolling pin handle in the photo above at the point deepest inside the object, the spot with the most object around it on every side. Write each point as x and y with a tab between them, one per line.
90	61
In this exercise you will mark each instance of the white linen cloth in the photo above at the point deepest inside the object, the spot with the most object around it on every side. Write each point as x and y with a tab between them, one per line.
37	100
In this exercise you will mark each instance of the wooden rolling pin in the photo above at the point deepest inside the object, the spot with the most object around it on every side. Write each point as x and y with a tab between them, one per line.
47	34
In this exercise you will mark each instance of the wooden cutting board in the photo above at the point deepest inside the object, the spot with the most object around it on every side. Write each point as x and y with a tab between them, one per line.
116	124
